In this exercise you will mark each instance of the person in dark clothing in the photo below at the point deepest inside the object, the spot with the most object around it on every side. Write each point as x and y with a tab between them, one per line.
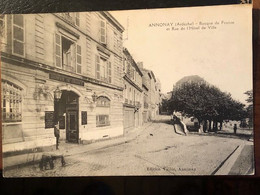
57	134
235	129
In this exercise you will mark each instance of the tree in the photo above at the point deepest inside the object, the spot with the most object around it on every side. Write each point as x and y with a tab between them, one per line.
205	102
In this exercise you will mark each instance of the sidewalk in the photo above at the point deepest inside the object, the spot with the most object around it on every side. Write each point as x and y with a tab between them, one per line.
68	149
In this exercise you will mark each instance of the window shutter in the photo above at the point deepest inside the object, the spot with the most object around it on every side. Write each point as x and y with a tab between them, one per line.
77	18
103	32
58	50
78	59
97	67
18	34
109	72
2	26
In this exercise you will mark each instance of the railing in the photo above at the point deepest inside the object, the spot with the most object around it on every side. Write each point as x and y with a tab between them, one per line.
126	101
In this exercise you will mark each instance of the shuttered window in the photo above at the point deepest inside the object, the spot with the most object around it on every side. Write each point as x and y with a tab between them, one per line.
103	32
78	59
18	34
58	50
97	67
77	18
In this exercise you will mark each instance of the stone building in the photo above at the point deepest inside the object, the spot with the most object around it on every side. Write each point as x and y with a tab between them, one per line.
65	67
151	95
132	92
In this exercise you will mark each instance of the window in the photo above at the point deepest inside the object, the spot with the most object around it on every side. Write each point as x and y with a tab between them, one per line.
18	34
103	111
103	69
102	120
67	54
103	29
72	18
11	102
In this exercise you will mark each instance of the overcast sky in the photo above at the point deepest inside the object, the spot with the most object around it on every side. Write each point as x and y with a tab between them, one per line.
222	56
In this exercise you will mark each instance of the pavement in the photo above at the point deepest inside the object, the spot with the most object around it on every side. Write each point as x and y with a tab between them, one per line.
68	149
154	149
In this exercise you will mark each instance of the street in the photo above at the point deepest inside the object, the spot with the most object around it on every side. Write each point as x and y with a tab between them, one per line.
155	150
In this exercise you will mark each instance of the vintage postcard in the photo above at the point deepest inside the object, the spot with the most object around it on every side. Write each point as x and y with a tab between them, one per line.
140	92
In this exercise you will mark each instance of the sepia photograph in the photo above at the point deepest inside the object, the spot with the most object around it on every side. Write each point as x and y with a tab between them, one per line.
128	93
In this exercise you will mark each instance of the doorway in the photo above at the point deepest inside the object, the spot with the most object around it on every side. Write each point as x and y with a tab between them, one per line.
68	115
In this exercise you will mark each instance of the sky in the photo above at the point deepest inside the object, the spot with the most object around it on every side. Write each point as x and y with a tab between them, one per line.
221	52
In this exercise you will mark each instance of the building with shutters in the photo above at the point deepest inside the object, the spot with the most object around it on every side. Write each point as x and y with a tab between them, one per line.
64	67
132	80
151	93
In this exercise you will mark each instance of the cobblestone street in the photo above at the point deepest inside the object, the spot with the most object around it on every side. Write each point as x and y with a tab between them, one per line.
156	150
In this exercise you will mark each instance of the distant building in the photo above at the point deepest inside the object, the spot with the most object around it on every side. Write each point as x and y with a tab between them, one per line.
132	80
153	92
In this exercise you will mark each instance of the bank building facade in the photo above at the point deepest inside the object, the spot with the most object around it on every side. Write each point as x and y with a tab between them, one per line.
64	67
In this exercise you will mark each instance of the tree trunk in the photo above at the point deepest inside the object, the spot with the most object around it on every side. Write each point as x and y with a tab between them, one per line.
215	128
210	125
205	126
201	127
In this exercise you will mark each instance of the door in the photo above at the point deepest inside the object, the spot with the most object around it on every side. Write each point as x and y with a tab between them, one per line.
72	126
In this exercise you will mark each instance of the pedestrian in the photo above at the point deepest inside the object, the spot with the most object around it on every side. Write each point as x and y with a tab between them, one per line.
235	129
57	134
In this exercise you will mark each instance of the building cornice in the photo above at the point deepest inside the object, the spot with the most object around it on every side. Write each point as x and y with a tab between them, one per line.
12	59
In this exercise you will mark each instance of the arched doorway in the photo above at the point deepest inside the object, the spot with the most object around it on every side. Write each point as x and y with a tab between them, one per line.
67	112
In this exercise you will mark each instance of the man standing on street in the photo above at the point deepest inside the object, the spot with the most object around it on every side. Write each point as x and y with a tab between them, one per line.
235	129
57	134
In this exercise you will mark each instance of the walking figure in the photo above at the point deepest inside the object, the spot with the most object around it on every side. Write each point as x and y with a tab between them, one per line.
235	129
57	134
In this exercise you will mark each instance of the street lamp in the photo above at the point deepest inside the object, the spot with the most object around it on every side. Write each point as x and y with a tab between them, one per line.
57	94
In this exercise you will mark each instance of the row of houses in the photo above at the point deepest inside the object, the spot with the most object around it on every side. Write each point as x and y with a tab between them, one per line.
71	68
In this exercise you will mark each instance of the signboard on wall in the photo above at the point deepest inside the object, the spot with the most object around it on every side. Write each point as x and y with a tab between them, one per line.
84	118
49	119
